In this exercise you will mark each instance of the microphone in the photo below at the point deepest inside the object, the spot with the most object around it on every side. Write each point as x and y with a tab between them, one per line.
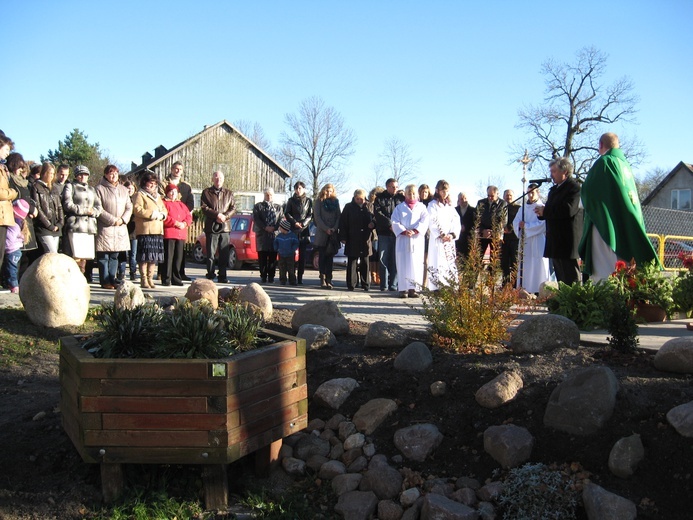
540	181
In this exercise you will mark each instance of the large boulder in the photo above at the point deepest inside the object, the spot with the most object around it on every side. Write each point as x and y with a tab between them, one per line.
321	312
508	444
416	357
54	291
584	402
500	390
676	355
419	441
203	288
543	333
386	335
254	293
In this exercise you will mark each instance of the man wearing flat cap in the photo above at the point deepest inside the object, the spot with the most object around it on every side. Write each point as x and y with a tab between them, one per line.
218	205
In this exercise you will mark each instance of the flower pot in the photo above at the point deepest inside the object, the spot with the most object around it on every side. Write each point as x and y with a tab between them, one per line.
650	313
182	411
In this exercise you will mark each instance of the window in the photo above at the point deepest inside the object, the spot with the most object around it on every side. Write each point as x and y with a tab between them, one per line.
681	199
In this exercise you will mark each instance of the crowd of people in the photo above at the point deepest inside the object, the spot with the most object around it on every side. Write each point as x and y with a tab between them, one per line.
396	240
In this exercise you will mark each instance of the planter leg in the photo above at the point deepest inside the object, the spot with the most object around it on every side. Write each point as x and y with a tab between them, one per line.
216	484
112	481
267	458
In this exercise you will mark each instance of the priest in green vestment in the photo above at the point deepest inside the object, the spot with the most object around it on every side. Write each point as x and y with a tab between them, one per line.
613	228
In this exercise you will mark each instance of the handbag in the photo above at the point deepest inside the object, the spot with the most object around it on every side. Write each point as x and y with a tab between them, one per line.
333	245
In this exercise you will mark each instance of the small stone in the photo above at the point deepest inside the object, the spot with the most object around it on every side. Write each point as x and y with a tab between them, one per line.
438	388
39	416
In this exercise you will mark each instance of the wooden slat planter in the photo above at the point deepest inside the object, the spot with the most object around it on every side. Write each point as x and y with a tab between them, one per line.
193	411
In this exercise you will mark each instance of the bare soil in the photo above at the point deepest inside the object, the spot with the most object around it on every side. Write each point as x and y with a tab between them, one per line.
42	476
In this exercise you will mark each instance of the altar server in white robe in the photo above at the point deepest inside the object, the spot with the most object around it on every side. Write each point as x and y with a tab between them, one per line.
445	226
533	268
409	224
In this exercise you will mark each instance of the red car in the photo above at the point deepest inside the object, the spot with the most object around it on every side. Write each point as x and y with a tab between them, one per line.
241	243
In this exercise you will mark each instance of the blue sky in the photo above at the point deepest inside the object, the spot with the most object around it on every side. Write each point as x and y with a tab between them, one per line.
445	77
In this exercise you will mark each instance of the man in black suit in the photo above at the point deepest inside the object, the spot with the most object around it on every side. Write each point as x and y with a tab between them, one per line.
493	217
563	222
467	215
510	240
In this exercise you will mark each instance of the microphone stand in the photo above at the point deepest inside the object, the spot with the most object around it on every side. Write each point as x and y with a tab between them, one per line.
526	161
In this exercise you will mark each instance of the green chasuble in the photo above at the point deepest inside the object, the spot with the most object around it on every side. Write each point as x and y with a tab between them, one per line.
611	204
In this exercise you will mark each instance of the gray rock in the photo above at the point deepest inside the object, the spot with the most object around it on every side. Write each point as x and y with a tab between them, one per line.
294	466
54	292
315	462
543	333
490	492
203	289
254	294
584	402
466	496
344	483
355	440
383	335
351	455
331	469
414	512
409	496
333	422
486	511
346	428
676	355
389	510
128	296
334	392
601	504
625	456
321	312
418	441
384	481
369	449
356	505
373	413
438	507
337	451
358	465
438	388
311	445
547	289
681	418
415	357
316	336
500	390
508	444
315	424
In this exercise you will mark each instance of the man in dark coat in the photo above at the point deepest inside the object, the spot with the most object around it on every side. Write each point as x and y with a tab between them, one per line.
493	217
467	215
510	240
563	222
218	205
356	226
266	217
384	205
299	213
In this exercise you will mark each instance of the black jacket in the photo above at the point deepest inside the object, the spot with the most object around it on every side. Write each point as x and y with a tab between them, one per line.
563	218
354	229
383	206
50	210
299	209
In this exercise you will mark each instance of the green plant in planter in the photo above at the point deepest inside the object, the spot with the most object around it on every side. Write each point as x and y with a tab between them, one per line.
643	284
682	293
190	330
584	304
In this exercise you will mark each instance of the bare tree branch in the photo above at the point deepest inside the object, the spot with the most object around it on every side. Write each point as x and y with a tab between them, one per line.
396	161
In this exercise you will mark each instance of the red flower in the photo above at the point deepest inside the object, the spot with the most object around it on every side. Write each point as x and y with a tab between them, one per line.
631	283
621	266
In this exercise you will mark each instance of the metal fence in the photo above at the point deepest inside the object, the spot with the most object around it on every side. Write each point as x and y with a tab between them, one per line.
671	234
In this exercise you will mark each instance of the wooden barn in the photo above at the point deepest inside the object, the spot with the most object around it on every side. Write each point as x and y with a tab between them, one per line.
248	169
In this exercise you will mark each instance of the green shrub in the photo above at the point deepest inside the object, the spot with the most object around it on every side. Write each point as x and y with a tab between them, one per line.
471	310
243	325
621	325
125	333
582	303
683	293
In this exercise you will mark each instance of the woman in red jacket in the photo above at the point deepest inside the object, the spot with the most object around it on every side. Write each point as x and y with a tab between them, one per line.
176	226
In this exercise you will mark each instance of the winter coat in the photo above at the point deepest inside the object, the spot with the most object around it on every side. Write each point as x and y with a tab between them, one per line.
285	244
214	201
177	212
78	199
115	204
266	214
354	229
326	216
22	185
563	218
299	210
383	206
149	214
50	210
7	195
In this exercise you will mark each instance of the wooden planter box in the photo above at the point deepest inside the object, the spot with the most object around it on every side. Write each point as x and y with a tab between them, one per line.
192	411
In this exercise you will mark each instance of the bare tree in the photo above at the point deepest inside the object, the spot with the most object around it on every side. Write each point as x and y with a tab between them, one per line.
255	133
395	161
320	142
576	110
649	181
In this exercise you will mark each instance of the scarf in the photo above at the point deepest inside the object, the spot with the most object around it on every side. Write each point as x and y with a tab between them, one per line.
330	205
411	203
269	215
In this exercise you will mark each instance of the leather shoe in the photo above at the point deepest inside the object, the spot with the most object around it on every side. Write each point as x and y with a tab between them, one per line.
107	286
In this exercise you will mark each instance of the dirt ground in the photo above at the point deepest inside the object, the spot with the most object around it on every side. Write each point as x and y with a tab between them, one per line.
42	476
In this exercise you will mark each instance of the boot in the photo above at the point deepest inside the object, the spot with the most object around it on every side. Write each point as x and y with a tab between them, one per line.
143	276
150	275
323	285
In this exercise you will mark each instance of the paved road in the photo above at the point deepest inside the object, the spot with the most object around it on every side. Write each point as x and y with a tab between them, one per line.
362	306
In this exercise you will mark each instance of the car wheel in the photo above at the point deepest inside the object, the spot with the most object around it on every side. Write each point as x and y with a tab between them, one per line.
198	255
234	262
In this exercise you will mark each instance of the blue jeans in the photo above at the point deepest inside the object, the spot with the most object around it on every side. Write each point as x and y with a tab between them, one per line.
388	264
108	267
10	268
